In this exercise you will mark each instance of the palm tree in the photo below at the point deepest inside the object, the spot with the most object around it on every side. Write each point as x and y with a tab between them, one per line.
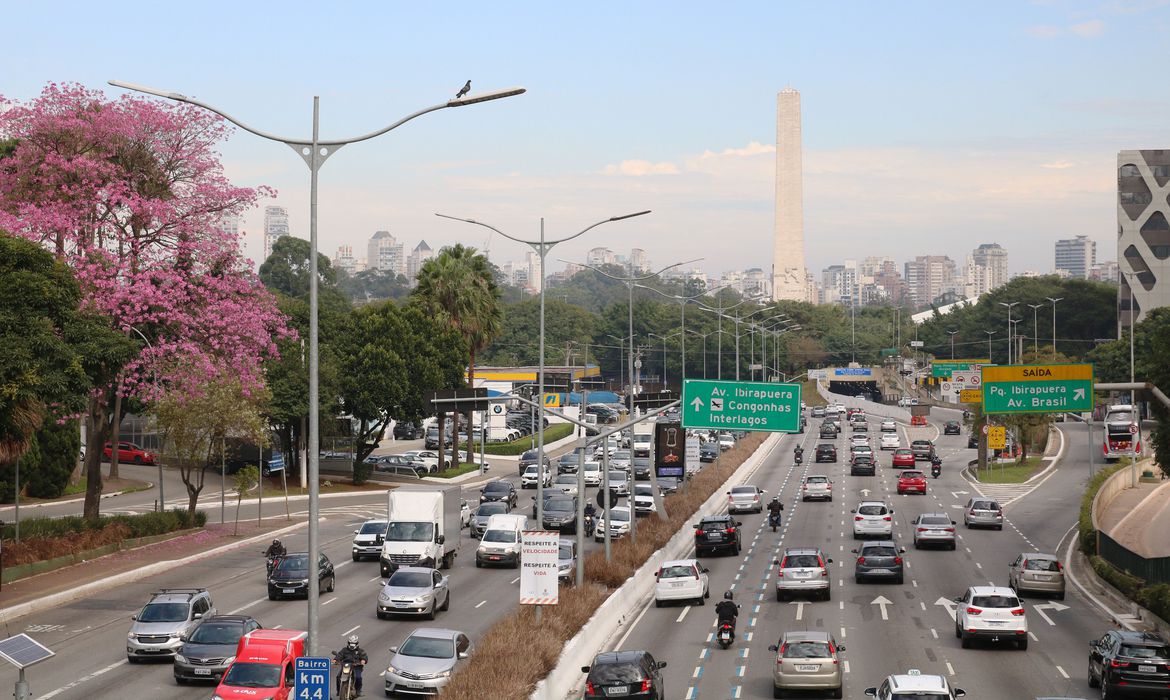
459	286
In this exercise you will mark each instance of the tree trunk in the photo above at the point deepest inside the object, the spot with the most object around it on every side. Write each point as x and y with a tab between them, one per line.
454	441
97	434
442	417
116	434
483	428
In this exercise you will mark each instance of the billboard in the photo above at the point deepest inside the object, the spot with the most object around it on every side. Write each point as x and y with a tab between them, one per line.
670	448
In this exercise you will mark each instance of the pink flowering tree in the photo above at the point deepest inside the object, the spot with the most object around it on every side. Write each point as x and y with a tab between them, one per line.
131	194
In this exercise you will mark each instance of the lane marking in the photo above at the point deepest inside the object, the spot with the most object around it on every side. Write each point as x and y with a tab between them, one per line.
1062	673
350	631
480	603
85	679
683	614
950	669
329	601
244	607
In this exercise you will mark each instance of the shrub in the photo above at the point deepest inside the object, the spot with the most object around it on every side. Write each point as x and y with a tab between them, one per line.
48	538
1085	532
552	433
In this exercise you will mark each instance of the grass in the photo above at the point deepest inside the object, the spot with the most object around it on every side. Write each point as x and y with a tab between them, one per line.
497	666
552	433
809	394
1010	473
458	470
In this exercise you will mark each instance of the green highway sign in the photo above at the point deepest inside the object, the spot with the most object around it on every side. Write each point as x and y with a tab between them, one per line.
716	405
1037	388
944	368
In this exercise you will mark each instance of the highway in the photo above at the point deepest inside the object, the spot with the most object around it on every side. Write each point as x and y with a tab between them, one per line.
915	629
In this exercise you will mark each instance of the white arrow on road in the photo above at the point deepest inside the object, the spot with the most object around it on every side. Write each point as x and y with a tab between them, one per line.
799	608
948	605
1053	606
1078	394
865	492
881	601
697	403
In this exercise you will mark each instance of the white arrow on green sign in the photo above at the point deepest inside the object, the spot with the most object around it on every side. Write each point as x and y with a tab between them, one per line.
1038	388
716	405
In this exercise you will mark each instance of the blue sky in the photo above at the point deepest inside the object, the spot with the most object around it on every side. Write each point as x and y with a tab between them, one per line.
929	127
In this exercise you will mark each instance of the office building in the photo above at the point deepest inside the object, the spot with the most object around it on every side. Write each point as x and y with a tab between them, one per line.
1143	234
1076	256
930	277
421	253
789	275
275	226
385	253
344	259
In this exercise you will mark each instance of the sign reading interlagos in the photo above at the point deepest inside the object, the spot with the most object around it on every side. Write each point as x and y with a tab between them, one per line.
741	405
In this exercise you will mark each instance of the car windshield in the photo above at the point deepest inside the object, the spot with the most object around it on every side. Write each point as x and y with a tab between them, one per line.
409	579
797	560
410	532
558	504
622	455
643	490
373	528
163	612
1144	652
496	486
565	551
678	571
217	633
619	514
292	564
428	647
499	536
911	475
243	674
879	551
566	479
985	505
1042	565
902	451
743	490
615	673
923	695
995	601
491	509
872	510
817	480
617	477
806	650
530	455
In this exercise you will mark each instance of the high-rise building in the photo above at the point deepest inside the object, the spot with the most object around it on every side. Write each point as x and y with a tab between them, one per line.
421	253
385	253
532	271
1143	234
993	258
839	284
639	260
1076	255
600	256
344	259
275	226
789	276
1105	271
929	277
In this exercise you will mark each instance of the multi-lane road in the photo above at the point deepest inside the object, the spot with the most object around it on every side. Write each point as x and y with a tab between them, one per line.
915	628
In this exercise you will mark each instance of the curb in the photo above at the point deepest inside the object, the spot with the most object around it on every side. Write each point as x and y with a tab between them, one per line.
65	597
43	504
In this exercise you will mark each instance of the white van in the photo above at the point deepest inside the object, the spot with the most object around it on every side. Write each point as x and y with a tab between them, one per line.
592	474
500	544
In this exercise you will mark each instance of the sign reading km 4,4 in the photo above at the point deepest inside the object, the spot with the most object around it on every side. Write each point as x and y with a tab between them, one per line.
719	405
1038	388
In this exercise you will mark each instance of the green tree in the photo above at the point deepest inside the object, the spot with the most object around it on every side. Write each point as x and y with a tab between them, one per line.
372	285
286	270
459	286
244	481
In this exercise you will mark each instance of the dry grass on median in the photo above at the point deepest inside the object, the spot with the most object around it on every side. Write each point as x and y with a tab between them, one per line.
516	653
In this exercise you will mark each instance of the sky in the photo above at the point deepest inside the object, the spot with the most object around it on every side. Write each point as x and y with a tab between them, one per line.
929	127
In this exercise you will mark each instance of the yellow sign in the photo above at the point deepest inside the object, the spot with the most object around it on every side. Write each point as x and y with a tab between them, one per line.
971	396
1033	373
552	400
996	437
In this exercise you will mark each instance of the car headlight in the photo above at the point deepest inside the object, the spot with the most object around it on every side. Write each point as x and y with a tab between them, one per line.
229	661
130	635
391	669
175	635
180	658
383	597
422	598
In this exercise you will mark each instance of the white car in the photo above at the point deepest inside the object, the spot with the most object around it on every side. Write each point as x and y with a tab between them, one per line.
889	426
913	684
725	442
872	519
464	513
618	527
429	458
531	474
890	441
858	440
993	613
619	482
682	579
619	459
592	473
566	484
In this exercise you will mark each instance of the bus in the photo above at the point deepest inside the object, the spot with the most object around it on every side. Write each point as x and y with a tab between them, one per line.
1123	435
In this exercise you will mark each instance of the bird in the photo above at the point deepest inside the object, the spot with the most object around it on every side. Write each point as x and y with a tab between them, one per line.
466	89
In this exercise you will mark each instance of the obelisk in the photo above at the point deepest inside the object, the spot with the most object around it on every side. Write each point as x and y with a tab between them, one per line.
789	278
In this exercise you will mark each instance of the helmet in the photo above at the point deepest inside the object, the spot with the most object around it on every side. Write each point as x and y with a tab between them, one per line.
728	596
353	641
775	498
276	543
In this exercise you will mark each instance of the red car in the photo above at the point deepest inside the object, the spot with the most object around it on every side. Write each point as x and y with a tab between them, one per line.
903	457
912	482
129	452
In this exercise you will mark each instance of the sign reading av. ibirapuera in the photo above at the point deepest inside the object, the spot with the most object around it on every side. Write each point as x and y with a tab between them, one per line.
538	567
717	405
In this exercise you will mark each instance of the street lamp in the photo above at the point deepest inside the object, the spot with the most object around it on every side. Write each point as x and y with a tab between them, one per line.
1035	329
621	358
704	337
315	152
1129	276
989	334
769	327
853	324
719	314
952	334
682	307
1053	302
664	337
1009	327
542	247
1015	338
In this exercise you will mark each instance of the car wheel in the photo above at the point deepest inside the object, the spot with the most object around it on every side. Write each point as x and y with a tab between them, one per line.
701	600
1106	692
657	603
917	545
999	527
828	594
958	632
857	579
1022	644
837	693
779	596
965	641
271	596
1093	682
180	680
953	545
446	603
332	583
131	660
431	613
829	499
356	558
900	580
381	615
137	459
478	564
1060	596
777	692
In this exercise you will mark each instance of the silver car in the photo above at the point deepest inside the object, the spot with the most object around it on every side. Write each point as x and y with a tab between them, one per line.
816	486
983	512
934	529
413	590
803	570
1033	572
749	498
160	626
423	665
484	511
807	661
566	560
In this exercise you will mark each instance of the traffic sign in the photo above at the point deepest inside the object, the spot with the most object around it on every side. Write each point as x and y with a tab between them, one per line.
971	396
1037	388
552	400
538	567
312	678
996	437
944	368
719	405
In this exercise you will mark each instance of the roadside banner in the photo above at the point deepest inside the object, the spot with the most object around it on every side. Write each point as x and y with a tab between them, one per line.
538	567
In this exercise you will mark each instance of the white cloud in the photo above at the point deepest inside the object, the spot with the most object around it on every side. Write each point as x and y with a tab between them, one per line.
1092	28
1085	30
1058	165
640	168
1045	31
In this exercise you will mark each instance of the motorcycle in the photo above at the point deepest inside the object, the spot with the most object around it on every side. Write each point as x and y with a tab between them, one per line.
774	520
269	562
725	635
590	525
935	467
346	680
799	457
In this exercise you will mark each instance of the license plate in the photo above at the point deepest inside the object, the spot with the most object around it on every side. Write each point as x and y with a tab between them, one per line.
807	667
934	532
802	574
1043	578
995	623
1147	669
202	672
416	686
401	605
618	690
289	590
879	571
494	557
677	584
714	536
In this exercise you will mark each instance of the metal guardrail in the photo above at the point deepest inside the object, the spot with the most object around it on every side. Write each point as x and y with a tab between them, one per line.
1152	571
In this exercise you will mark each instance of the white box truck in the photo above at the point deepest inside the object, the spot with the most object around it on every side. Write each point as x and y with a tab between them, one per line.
422	527
643	440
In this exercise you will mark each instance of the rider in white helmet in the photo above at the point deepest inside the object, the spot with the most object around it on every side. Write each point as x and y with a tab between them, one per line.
357	657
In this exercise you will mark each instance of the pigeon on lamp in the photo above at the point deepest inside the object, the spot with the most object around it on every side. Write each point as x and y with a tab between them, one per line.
466	89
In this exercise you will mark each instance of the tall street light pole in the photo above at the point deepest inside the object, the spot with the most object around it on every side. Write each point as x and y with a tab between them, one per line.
621	358
952	334
704	337
664	338
542	246
314	151
1053	302
718	311
1035	328
1130	276
989	334
682	308
1009	306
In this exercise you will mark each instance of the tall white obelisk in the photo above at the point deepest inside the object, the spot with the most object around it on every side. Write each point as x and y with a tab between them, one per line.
789	278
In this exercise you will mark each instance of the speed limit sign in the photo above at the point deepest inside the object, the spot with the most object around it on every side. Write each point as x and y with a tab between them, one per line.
984	428
1133	429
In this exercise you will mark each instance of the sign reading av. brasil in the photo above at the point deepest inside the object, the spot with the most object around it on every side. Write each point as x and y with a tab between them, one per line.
1037	388
312	678
719	405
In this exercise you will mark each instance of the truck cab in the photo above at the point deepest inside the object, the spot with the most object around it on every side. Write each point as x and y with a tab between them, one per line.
423	525
264	666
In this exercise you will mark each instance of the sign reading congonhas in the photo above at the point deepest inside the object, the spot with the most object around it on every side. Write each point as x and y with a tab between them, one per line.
538	567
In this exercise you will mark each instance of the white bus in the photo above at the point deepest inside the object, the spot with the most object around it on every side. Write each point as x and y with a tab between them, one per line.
1123	435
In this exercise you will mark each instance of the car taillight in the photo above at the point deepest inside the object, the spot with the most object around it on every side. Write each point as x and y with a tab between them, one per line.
897	560
973	611
589	688
755	498
948	529
1059	566
646	685
921	529
857	517
730	530
860	560
1018	612
1118	664
887	518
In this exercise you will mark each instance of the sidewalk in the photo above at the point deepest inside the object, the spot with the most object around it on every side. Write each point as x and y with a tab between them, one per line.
1139	517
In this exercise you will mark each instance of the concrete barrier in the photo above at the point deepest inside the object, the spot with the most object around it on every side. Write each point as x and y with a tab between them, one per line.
1117	482
625	603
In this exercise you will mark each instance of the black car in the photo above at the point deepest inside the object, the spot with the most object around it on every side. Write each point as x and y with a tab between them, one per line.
708	452
952	427
529	458
972	441
1139	662
207	651
828	431
498	491
826	453
624	674
560	513
717	532
290	576
862	465
640	466
405	430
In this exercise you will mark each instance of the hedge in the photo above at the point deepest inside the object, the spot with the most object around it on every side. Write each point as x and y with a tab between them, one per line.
552	433
143	525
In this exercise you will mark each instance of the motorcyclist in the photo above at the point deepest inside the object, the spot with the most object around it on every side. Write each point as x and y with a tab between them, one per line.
727	611
774	507
935	465
356	657
274	552
590	517
798	451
